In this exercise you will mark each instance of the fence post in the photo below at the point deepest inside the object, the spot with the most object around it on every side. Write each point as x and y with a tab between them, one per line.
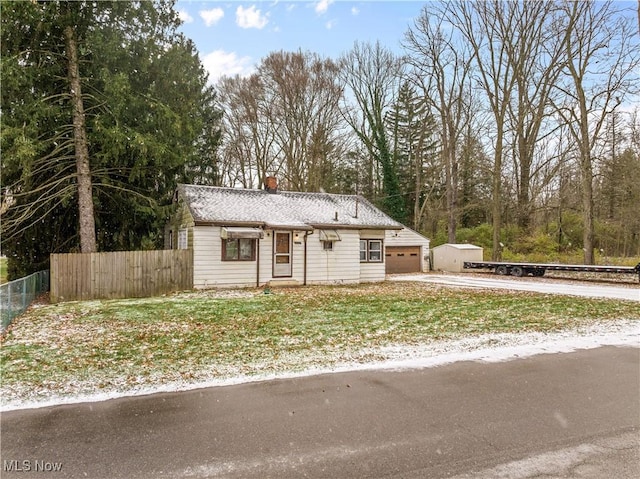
8	305
34	287
24	292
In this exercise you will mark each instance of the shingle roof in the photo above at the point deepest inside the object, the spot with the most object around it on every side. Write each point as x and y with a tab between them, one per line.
209	204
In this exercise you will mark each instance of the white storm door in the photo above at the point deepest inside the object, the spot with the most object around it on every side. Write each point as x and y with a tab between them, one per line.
281	254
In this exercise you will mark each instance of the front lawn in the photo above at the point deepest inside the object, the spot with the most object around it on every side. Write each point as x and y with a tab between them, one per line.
84	347
3	270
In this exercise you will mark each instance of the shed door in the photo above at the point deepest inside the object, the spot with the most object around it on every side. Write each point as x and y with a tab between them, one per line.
402	259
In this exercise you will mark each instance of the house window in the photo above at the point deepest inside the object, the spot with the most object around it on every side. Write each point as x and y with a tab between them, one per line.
238	249
370	251
182	239
328	238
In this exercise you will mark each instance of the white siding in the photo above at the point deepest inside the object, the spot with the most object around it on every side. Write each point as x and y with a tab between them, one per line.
209	271
297	258
371	272
409	237
266	257
451	257
341	265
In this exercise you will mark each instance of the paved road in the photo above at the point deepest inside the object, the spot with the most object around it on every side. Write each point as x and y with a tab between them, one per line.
527	284
573	415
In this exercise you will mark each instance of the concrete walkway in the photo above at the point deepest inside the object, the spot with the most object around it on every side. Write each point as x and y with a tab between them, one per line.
526	284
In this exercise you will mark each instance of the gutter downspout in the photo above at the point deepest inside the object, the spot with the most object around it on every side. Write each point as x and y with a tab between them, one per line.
258	262
306	233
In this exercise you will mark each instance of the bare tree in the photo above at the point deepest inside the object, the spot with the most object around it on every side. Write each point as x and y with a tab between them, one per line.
249	152
518	58
534	50
442	68
285	119
484	25
617	188
372	74
303	91
601	71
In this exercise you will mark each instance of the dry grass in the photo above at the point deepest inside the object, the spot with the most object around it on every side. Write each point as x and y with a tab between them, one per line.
81	347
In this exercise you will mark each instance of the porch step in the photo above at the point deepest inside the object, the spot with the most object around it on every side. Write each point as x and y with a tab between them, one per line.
274	283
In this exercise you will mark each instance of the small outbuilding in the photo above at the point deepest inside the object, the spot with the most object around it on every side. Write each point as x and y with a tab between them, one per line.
451	257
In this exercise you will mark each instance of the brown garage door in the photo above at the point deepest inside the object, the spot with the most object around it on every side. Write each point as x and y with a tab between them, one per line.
402	259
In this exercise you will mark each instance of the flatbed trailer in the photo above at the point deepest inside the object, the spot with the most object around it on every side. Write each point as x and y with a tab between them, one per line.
538	269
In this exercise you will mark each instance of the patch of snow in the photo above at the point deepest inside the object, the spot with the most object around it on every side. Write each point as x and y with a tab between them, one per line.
546	286
563	462
488	348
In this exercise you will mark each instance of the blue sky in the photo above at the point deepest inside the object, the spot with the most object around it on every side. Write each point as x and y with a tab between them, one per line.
232	36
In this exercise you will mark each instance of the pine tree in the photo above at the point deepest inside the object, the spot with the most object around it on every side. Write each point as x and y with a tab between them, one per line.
105	106
412	126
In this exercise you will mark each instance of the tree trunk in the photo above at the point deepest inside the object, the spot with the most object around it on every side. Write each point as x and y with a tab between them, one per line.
525	155
452	190
418	185
586	176
587	205
83	169
496	255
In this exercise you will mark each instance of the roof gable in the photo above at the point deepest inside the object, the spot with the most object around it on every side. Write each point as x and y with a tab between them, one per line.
285	209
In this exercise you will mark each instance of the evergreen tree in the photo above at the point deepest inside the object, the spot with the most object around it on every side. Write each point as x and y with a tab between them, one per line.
412	126
102	96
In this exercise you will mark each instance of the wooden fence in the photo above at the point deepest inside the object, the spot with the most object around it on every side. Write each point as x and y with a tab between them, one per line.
122	274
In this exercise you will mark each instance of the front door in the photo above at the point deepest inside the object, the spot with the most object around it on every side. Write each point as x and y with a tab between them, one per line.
281	254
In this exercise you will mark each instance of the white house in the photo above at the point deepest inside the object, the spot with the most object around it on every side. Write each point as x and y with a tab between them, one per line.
243	237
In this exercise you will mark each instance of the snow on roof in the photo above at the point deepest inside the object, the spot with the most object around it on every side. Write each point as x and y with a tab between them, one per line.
460	246
209	204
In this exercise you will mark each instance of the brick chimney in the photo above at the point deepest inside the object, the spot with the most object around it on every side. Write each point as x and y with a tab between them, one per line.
271	184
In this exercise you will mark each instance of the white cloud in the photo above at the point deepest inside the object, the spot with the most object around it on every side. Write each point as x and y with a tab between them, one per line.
354	11
250	17
211	17
330	24
219	63
184	16
322	6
